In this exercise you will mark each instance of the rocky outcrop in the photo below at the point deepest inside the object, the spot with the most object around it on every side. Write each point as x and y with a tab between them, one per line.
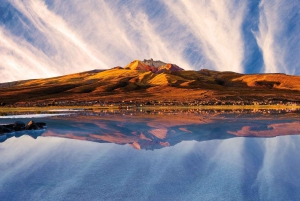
169	67
156	64
139	65
20	126
153	66
5	129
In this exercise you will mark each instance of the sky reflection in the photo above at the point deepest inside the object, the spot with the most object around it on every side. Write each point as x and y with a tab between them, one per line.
203	161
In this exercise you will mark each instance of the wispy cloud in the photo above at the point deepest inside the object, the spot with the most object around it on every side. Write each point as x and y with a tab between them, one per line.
46	38
67	42
277	34
20	60
217	27
101	35
266	36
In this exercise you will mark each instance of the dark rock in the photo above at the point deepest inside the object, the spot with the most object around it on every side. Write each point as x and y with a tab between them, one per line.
32	126
9	126
19	126
117	67
41	125
4	129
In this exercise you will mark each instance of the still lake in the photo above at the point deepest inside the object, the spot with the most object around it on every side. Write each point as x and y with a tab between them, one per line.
153	155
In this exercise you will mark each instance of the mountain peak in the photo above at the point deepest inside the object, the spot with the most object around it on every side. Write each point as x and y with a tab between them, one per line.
152	65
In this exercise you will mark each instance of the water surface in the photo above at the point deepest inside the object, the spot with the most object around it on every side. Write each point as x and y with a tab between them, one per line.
154	156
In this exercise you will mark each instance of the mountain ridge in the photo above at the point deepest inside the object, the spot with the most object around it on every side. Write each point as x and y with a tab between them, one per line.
152	81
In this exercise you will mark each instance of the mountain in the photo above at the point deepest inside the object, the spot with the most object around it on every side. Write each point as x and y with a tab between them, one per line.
154	82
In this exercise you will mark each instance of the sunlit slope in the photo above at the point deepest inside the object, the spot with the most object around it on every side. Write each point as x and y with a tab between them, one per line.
128	83
278	81
138	65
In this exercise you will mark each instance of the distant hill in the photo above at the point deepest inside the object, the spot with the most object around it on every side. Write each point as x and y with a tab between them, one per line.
151	81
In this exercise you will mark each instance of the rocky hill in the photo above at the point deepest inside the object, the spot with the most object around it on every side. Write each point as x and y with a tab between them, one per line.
154	82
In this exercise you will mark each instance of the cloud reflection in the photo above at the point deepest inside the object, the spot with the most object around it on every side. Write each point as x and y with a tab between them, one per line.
190	158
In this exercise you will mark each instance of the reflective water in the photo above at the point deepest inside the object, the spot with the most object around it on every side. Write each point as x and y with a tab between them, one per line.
161	156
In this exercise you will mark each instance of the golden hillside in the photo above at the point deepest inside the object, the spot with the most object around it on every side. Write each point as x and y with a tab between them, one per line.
140	82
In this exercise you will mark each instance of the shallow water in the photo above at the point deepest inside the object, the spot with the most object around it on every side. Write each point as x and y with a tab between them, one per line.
161	156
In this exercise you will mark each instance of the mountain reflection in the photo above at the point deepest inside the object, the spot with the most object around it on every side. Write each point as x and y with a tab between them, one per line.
157	131
149	132
32	133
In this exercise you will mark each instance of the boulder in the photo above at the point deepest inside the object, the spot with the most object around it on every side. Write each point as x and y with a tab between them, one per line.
41	125
4	129
32	126
19	126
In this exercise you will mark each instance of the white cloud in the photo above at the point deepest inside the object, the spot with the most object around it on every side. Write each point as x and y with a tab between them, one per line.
265	36
20	60
217	27
73	51
72	36
99	36
276	42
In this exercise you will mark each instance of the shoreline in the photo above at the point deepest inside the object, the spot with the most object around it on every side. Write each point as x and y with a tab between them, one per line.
202	107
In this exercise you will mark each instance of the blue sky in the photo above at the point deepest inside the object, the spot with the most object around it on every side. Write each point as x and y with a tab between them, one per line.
44	38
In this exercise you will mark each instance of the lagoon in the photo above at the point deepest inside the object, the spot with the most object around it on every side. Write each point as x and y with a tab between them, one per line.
154	155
